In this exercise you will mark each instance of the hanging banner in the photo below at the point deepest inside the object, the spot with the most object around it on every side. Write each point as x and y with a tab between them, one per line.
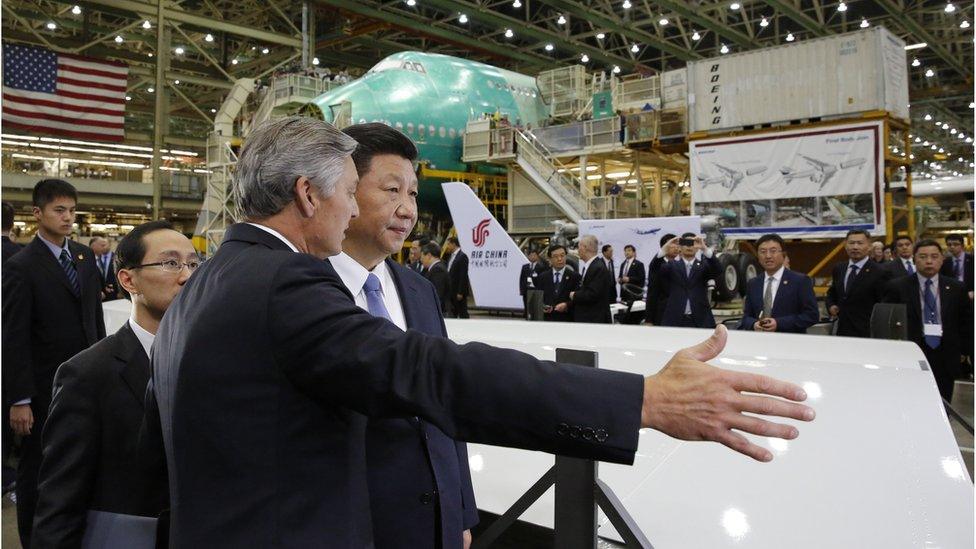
815	182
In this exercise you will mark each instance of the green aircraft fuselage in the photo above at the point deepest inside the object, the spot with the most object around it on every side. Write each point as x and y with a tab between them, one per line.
431	97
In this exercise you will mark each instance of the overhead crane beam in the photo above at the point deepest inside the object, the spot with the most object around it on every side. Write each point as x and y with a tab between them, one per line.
687	11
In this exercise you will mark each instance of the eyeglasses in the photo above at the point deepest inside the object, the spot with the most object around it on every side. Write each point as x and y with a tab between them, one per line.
173	266
770	252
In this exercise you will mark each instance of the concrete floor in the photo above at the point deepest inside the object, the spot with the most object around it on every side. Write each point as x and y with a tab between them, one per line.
962	400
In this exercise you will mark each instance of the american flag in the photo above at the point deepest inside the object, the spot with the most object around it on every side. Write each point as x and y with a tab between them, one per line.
69	95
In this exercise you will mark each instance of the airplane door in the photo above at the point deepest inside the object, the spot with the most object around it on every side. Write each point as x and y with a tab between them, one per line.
341	114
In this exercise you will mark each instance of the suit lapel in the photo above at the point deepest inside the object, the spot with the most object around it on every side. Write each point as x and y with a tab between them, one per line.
51	264
407	291
914	303
945	301
135	369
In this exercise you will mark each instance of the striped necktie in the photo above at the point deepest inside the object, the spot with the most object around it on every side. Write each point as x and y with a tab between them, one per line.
70	271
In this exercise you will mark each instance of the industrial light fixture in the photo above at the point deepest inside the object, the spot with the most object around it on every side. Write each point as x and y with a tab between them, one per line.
972	105
179	50
51	25
150	90
663	21
725	49
928	117
265	51
208	38
463	19
864	23
146	24
561	20
933	147
950	7
176	82
790	37
945	126
941	150
734	6
964	24
516	4
128	98
918	46
616	69
509	33
916	62
918	139
600	36
585	58
150	54
213	110
953	131
411	3
119	39
315	61
76	10
549	47
764	22
696	37
925	143
929	73
969	140
626	5
234	61
635	48
842	7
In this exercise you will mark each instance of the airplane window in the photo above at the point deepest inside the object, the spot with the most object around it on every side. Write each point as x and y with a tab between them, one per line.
419	68
409	128
399	126
422	130
442	132
452	132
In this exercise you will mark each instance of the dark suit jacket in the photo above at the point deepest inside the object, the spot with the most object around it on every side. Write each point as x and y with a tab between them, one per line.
109	278
437	275
967	274
956	318
460	285
656	298
410	461
794	307
91	461
260	397
9	248
612	269
635	273
857	302
553	295
591	302
896	268
44	323
679	288
528	272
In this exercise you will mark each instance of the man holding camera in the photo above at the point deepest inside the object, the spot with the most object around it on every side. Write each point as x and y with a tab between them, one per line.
685	281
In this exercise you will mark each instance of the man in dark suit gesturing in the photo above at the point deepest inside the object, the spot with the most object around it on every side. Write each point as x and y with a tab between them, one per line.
939	315
264	364
436	273
685	281
556	284
656	298
858	284
591	300
457	268
92	482
419	482
781	300
52	310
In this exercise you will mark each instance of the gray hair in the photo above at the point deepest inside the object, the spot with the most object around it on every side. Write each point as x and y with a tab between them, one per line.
590	242
278	153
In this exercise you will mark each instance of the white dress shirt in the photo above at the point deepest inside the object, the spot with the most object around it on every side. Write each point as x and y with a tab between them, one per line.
909	265
584	266
562	275
935	292
354	275
450	260
269	230
777	277
145	338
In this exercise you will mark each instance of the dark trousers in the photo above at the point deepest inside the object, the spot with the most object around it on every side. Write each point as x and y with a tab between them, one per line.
945	368
27	471
459	309
687	321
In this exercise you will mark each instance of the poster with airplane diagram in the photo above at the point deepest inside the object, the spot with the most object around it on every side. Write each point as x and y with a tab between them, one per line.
815	182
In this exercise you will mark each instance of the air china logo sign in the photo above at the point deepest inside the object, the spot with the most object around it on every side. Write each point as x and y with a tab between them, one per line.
479	234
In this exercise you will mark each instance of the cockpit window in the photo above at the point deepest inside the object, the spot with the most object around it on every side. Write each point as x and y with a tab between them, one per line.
388	64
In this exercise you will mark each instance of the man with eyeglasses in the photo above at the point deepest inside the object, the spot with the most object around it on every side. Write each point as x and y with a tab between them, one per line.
94	484
781	300
52	310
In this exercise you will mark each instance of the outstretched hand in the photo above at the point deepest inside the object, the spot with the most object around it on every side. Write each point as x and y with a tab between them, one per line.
691	400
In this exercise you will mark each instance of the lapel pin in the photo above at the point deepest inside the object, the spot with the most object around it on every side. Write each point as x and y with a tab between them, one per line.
785	282
80	257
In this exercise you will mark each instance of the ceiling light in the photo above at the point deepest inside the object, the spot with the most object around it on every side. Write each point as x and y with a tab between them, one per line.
764	22
585	58
626	5
213	110
918	46
150	90
600	36
150	54
941	150
146	24
616	69
961	135
945	126
663	21
516	4
972	105
864	23
51	25
119	39
734	6
929	116
179	50
925	143
561	20
953	131
265	51
176	82
411	3
725	49
76	10
128	98
916	62
949	7
933	147
548	47
234	61
315	60
790	37
509	33
842	7
929	73
964	24
969	140
918	139
463	19
635	48
696	37
208	38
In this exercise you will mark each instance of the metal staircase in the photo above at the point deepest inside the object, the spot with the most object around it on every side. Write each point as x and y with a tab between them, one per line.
288	95
552	177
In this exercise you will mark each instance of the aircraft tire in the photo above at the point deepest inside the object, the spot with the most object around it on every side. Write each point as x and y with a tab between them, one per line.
749	268
727	283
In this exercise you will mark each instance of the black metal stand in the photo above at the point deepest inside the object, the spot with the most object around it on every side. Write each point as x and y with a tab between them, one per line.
579	492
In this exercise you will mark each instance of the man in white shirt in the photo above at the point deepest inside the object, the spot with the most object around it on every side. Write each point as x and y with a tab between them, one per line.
93	481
